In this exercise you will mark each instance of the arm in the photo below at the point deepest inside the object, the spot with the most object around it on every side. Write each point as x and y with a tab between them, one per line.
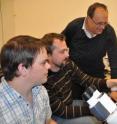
70	31
50	121
61	109
87	80
111	83
113	95
112	51
60	98
47	109
59	90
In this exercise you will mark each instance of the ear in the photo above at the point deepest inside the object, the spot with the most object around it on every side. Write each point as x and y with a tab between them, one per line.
22	69
49	55
87	18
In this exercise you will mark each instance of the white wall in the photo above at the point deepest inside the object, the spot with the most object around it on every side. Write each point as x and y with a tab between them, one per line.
37	17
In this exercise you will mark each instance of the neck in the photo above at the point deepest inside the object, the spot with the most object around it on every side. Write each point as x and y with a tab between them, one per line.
25	91
54	68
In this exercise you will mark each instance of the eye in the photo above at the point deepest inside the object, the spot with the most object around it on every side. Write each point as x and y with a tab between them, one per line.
64	50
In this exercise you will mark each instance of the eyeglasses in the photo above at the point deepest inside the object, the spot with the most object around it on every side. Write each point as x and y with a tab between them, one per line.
99	23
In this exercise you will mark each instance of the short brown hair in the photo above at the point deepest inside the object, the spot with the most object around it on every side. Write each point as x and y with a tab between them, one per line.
20	49
92	8
49	38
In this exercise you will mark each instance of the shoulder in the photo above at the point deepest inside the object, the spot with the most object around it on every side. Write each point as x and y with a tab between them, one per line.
40	90
78	22
4	87
109	29
1	73
70	65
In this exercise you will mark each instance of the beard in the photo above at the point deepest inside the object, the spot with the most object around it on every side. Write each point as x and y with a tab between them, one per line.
62	64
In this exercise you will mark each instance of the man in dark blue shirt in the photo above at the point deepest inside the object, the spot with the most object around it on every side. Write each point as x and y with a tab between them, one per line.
90	38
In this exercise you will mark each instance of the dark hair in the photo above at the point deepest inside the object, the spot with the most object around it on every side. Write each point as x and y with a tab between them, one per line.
48	40
20	49
93	7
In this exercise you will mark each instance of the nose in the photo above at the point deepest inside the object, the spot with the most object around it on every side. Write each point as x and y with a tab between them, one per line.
102	26
67	54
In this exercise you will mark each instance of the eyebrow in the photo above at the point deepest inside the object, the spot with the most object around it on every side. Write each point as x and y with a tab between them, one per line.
54	46
45	60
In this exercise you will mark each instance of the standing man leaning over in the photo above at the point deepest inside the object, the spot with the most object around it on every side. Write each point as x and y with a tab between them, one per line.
89	38
23	99
60	81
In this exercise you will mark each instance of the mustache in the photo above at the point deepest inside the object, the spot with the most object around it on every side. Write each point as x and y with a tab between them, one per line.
66	59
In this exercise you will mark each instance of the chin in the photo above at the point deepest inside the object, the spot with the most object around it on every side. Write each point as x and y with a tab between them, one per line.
65	62
99	32
43	82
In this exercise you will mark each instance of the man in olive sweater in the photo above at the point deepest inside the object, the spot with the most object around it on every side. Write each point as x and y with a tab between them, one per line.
59	84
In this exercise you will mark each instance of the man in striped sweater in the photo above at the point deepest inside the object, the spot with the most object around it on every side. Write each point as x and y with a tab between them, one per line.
59	85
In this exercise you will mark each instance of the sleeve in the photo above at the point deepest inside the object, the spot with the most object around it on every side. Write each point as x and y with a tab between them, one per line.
59	108
47	105
87	80
69	31
58	104
2	116
1	73
112	51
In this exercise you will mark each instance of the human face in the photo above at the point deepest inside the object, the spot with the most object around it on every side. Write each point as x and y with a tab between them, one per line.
60	53
38	72
98	22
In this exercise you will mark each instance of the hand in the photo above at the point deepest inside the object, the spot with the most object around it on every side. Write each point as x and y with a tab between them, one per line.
51	122
113	95
111	83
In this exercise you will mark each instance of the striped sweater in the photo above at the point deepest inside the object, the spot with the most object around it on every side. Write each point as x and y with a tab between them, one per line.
59	87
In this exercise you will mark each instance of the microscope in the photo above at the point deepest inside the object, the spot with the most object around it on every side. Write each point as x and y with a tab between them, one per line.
101	105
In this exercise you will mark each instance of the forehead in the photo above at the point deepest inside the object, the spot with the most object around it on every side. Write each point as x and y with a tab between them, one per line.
59	44
100	13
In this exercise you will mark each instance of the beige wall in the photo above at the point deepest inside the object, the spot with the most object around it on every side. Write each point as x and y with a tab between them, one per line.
1	28
37	17
6	20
